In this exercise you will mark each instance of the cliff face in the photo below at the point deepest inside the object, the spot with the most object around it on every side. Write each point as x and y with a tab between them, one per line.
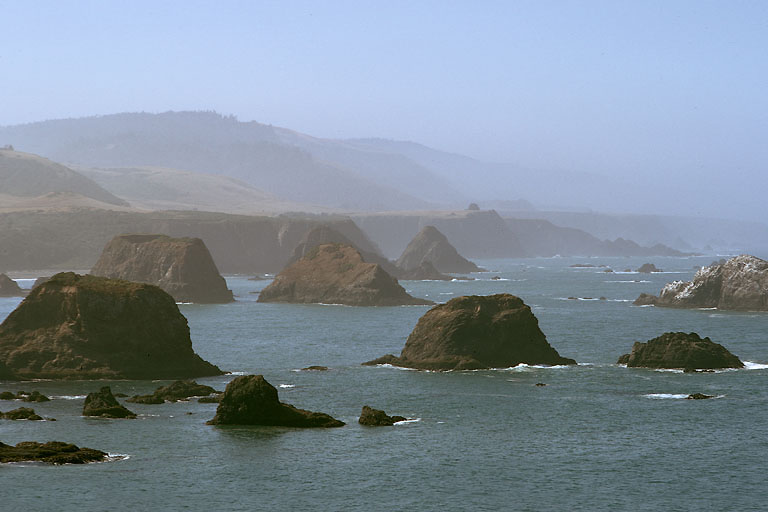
473	332
87	327
336	274
430	245
183	267
740	283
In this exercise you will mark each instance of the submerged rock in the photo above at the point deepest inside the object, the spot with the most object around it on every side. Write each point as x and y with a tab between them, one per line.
251	400
473	332
431	245
87	327
103	404
9	287
377	418
337	274
53	452
183	267
680	350
179	390
740	283
22	413
315	368
698	396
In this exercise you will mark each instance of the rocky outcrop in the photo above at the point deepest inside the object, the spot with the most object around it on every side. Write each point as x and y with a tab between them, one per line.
104	405
698	396
647	268
87	327
680	350
645	299
741	284
337	274
183	267
432	246
53	452
474	332
251	400
377	418
22	413
9	287
178	390
34	396
424	272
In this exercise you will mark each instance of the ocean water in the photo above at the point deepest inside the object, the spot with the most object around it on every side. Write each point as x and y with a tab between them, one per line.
597	437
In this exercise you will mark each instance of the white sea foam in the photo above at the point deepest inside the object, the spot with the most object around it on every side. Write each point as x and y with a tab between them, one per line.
636	281
446	293
68	397
180	303
387	365
237	373
749	365
666	396
115	457
287	386
407	421
522	367
668	370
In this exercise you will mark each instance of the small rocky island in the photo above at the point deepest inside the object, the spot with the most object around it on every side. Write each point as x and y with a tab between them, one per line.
9	287
739	284
431	245
251	400
680	350
103	404
87	327
337	274
178	390
53	452
475	332
183	267
371	417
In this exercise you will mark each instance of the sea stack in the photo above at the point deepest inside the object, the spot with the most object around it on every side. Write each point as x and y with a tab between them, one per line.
476	332
87	327
9	287
337	274
183	267
251	400
432	246
740	284
680	350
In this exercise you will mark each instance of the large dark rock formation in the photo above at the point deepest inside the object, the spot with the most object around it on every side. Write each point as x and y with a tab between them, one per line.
337	274
183	267
87	327
432	246
371	417
103	404
53	452
473	332
178	390
9	287
251	400
741	283
680	350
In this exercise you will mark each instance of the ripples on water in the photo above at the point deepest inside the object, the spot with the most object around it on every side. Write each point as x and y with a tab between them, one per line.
598	436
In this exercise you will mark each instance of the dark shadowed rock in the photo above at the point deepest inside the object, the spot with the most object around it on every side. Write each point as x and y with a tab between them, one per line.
183	267
473	332
213	399
424	272
698	396
645	299
315	368
34	396
740	283
680	350
337	274
103	404
647	268
431	245
53	452
251	400
39	281
9	287
377	418
87	327
178	390
22	413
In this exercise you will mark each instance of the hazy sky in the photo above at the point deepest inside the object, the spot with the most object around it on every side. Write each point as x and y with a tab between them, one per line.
670	90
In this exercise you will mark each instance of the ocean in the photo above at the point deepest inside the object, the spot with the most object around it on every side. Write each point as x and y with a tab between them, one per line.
598	436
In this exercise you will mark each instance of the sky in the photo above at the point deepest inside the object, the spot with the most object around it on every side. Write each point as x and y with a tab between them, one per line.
647	90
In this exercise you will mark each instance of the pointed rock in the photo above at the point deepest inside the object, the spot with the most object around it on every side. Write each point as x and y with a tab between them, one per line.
103	404
9	287
432	246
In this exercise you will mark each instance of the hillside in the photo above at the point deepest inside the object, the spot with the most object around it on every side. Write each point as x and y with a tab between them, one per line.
24	177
